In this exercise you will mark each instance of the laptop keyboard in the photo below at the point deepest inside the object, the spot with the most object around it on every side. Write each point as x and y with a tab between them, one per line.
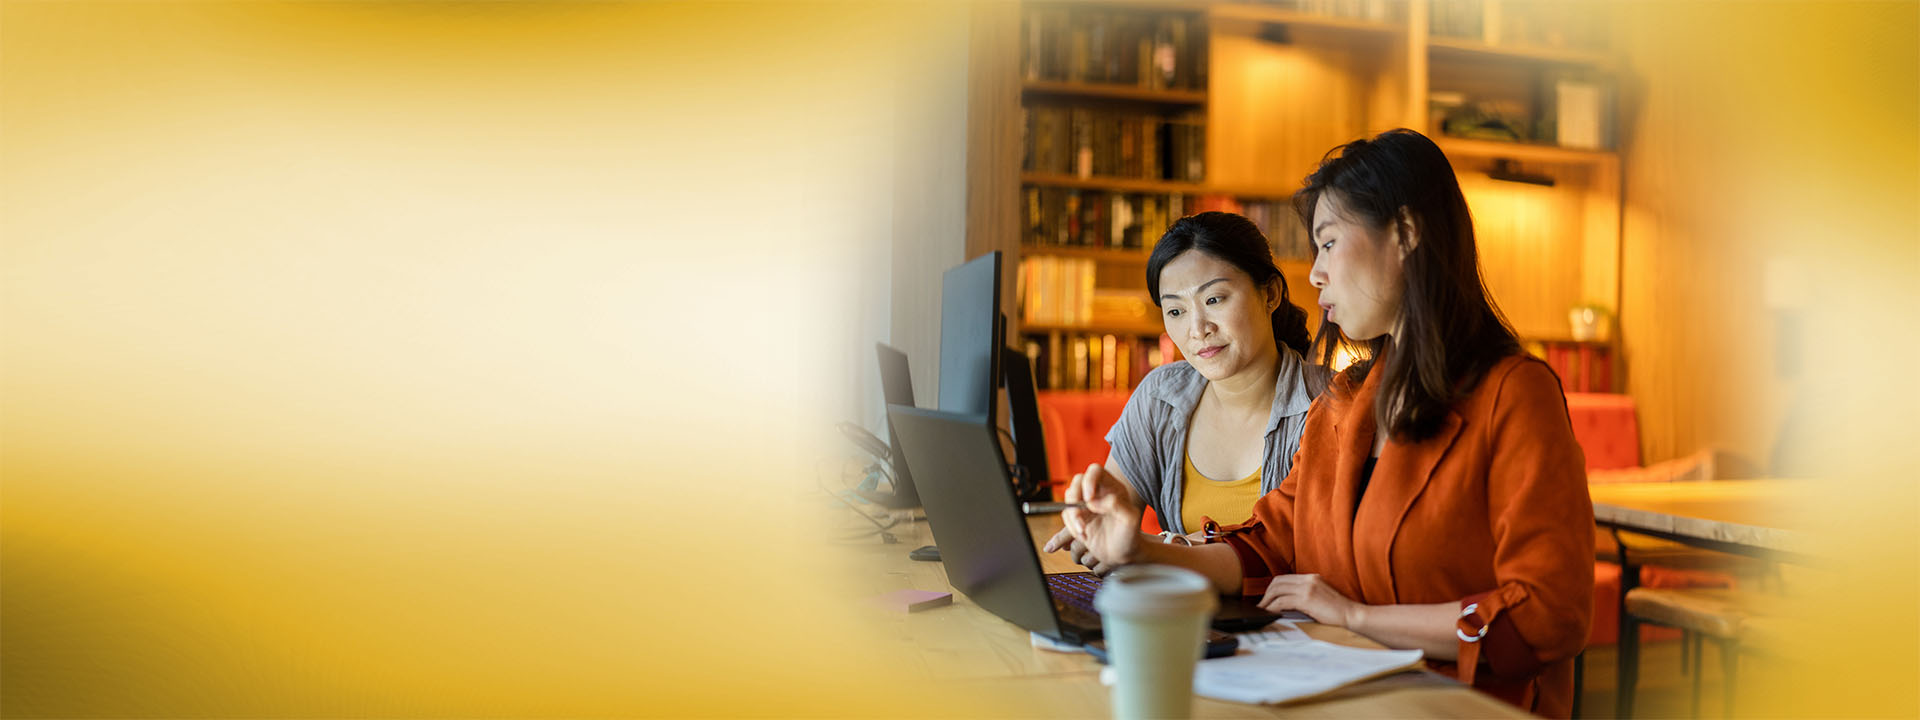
1073	597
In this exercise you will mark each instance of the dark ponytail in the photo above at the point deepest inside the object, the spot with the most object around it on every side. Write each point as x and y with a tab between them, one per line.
1235	240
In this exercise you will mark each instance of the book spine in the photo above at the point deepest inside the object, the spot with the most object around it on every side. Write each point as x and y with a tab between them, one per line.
1109	363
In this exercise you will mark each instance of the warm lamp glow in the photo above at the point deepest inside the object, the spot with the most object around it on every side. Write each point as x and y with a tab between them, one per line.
1342	357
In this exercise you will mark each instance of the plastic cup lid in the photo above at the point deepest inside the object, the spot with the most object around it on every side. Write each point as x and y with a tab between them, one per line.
1155	590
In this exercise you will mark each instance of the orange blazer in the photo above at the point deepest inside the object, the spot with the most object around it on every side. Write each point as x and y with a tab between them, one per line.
1491	513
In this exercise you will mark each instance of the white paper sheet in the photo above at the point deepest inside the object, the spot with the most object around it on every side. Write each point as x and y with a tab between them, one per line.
1281	671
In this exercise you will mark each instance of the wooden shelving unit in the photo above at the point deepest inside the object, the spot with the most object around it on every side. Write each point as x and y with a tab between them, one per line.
1283	86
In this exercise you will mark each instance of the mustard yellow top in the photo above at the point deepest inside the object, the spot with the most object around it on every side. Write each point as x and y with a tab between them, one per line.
1226	501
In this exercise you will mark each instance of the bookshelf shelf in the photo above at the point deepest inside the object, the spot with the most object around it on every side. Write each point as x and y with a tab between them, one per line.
1525	152
1113	91
1252	191
1106	255
1119	184
1247	12
1112	183
1100	328
1440	46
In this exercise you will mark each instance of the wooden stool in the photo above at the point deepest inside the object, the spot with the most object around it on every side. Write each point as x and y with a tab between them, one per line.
1647	552
1701	612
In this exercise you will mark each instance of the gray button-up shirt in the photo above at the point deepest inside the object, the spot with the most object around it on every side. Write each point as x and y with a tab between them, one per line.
1149	443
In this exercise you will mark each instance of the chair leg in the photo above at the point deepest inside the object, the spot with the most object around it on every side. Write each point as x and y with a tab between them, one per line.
1687	646
1686	650
1629	666
1730	659
1699	645
1628	644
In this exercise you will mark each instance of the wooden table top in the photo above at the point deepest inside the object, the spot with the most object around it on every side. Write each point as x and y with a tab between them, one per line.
963	645
1757	514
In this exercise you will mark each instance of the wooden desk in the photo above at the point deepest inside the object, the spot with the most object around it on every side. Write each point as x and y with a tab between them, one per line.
1747	517
964	644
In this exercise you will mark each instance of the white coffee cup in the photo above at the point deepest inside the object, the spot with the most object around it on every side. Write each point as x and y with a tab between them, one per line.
1154	618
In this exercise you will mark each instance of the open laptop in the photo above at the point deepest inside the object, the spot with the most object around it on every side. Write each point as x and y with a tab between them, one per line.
983	537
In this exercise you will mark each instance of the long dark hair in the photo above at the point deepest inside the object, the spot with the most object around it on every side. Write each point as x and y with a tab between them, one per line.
1450	331
1235	240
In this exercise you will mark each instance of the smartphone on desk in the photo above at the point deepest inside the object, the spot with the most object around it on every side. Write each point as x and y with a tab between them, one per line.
1219	645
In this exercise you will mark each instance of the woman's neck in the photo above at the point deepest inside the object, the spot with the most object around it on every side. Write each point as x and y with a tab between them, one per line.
1249	391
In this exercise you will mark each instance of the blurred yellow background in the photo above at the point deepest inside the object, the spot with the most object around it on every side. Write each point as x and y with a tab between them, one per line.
469	359
370	358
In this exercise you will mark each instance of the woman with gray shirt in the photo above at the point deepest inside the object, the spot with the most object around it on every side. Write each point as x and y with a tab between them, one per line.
1203	438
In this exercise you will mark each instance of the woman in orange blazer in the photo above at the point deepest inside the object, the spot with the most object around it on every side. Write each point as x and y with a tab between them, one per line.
1439	499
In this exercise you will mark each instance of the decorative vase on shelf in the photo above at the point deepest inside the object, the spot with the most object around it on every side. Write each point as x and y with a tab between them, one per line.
1589	323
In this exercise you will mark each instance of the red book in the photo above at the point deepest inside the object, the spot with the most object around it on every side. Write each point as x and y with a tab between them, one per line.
1602	369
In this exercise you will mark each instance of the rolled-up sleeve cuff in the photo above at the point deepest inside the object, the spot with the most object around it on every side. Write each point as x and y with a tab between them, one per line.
1254	573
1501	649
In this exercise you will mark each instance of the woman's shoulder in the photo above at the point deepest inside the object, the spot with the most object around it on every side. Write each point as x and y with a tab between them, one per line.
1174	376
1165	394
1521	378
1523	371
1173	385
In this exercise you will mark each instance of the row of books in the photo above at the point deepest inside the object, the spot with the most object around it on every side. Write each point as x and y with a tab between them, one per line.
1086	143
1055	290
1068	217
1582	367
1098	218
1075	361
1158	51
1286	234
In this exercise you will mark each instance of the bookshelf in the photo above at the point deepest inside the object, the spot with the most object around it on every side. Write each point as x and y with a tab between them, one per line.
1258	93
1540	71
